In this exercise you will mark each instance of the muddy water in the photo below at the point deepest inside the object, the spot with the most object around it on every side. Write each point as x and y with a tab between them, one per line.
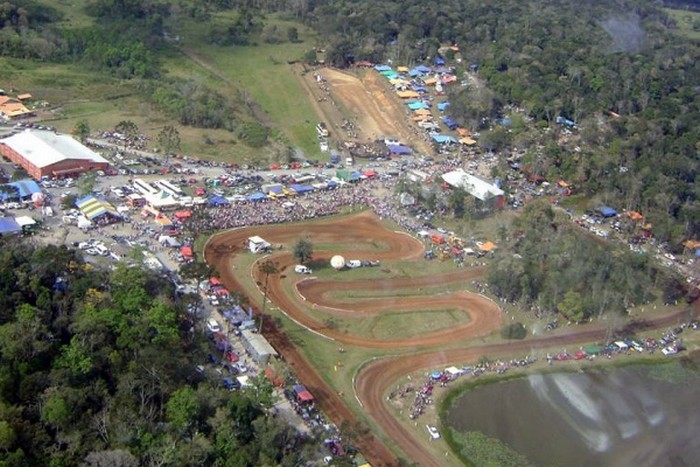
633	416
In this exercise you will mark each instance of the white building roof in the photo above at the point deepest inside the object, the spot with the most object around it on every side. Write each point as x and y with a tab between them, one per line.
45	148
259	344
475	186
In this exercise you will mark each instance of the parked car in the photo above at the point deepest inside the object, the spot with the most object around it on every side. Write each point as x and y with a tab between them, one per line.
433	432
354	264
301	269
213	325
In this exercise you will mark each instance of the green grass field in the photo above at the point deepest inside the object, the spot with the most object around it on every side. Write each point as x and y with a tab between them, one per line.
686	21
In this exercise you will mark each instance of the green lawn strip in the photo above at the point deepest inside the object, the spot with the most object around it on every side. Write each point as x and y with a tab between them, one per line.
394	325
264	71
685	20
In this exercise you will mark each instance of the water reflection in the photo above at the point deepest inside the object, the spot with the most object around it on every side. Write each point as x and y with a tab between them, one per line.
628	416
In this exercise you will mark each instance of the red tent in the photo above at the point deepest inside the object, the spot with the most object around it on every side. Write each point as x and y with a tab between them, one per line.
370	173
222	291
186	251
183	215
305	396
214	281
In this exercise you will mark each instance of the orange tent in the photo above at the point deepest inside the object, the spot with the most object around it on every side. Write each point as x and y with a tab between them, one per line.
422	112
467	141
488	246
634	215
463	132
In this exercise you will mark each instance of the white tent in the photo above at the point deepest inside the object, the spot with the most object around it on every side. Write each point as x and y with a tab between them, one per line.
25	221
84	223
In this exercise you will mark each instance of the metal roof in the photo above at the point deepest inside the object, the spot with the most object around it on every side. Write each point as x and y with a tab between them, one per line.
45	148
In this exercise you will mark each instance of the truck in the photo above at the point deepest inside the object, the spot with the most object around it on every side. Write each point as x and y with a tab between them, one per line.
301	269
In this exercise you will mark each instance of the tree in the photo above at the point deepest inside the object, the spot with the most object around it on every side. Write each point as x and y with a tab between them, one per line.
86	183
571	307
81	130
128	130
303	250
168	140
267	267
292	34
183	408
456	202
514	331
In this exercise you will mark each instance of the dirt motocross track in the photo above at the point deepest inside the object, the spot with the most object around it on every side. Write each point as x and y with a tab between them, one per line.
365	100
373	380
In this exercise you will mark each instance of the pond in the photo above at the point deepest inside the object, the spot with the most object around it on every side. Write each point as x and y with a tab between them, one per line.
643	415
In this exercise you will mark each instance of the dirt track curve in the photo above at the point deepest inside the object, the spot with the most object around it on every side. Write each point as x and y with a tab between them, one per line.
373	381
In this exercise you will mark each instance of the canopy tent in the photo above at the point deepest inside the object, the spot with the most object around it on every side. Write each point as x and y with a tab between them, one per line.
370	173
303	394
25	221
449	123
8	226
467	141
222	292
425	112
444	139
488	246
180	215
402	69
390	74
218	201
24	189
417	88
381	68
399	150
606	211
257	196
408	94
448	79
442	106
186	252
422	69
169	241
418	105
463	132
214	281
93	208
430	82
164	221
301	189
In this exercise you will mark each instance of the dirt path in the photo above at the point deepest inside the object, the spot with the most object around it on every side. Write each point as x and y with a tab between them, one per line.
373	381
366	102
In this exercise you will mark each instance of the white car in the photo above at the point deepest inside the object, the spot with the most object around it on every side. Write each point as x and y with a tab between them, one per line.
354	264
213	325
433	432
301	269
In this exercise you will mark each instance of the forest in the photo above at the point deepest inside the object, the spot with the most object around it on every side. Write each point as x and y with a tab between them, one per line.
98	368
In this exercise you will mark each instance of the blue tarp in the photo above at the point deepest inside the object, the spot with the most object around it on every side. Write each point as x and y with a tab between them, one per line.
382	67
398	149
418	105
218	201
256	196
302	188
439	61
442	106
606	211
8	225
332	184
419	88
697	253
451	124
443	139
413	73
24	189
276	190
422	69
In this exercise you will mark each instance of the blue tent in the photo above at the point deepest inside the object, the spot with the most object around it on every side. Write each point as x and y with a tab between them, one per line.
422	69
8	225
24	188
302	188
419	88
398	149
443	139
606	211
439	61
355	175
218	201
332	184
442	106
382	68
451	124
257	196
276	190
418	105
697	253
413	73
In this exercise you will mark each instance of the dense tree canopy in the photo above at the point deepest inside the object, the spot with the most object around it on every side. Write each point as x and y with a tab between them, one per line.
96	371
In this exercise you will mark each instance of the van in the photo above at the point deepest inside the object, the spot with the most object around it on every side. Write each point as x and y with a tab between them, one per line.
301	269
348	161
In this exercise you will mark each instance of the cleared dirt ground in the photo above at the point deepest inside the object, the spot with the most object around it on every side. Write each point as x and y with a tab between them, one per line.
364	99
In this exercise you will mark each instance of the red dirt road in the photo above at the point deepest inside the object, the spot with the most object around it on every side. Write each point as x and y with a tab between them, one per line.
374	380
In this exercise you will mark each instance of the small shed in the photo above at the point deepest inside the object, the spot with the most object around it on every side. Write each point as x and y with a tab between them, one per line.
258	347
